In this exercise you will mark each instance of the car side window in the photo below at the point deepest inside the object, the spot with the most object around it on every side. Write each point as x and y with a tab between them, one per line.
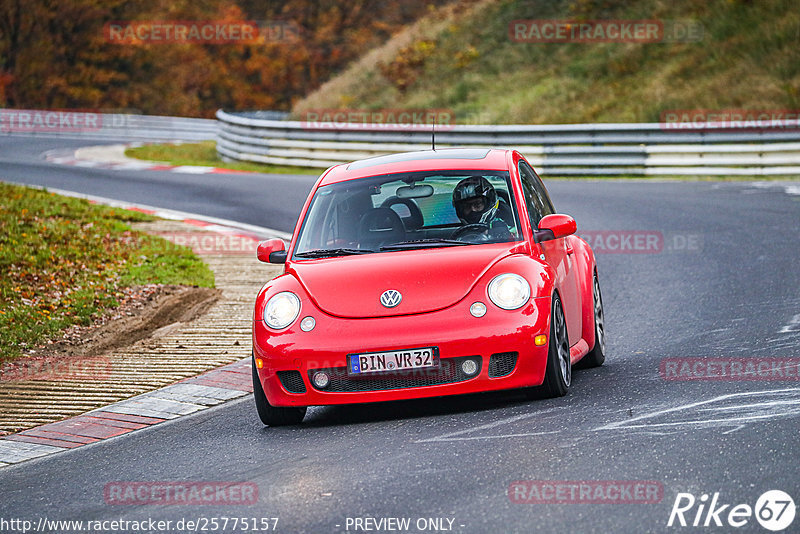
542	193
538	207
547	204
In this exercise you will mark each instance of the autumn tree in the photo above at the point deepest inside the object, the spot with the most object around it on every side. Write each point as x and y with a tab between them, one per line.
56	54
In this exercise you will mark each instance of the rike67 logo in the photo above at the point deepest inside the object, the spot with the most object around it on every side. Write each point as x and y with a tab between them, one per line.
774	510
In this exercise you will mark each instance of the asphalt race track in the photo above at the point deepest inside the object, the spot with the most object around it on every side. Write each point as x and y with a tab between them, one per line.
723	282
226	196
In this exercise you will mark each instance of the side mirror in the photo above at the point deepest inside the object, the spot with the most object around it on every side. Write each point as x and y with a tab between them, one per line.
555	226
272	251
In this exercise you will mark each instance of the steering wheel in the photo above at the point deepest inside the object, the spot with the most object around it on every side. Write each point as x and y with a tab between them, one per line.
477	229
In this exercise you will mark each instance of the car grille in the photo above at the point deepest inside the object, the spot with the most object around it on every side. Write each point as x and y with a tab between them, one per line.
292	381
502	363
449	372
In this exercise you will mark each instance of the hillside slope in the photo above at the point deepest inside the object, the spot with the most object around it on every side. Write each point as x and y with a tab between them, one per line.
461	57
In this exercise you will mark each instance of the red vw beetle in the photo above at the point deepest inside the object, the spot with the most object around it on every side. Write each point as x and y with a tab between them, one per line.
424	274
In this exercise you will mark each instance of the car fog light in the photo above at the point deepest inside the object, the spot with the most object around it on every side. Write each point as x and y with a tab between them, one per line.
470	367
478	309
540	340
307	324
321	380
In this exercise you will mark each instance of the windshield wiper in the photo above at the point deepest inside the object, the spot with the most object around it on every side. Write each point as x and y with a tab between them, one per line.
328	252
424	243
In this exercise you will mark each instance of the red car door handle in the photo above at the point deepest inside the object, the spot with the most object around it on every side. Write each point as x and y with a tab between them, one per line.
569	247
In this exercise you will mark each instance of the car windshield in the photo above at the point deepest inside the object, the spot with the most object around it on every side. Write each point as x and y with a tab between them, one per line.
409	211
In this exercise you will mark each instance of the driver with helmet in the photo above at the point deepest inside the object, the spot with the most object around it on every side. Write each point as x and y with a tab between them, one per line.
476	202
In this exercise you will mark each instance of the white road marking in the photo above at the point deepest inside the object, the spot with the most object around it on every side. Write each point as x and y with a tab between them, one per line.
192	169
501	436
132	166
746	412
450	436
753	405
788	188
793	326
732	430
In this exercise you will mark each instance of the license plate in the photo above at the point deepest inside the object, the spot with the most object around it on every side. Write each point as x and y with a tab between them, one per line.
394	360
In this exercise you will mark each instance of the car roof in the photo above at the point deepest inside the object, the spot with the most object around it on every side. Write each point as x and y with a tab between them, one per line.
421	160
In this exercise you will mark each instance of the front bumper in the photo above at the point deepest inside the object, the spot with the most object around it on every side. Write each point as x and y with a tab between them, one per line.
291	356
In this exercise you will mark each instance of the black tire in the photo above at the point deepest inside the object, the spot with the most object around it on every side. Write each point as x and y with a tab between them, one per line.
558	373
272	415
597	355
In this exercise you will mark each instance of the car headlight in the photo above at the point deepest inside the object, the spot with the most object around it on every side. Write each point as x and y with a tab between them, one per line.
509	291
281	310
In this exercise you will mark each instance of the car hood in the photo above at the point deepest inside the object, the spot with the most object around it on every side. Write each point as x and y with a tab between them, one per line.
428	280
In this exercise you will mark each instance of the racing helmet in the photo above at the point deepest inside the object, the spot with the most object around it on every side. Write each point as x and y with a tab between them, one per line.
467	197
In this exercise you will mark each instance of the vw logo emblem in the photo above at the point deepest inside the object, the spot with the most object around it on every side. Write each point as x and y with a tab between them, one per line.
391	298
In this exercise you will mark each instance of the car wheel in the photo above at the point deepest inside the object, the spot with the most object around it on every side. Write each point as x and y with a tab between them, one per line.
272	415
597	355
558	373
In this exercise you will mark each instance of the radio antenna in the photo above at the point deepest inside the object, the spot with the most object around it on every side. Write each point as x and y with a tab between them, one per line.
433	135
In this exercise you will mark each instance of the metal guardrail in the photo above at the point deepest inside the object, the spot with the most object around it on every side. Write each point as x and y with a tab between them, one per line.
104	126
647	149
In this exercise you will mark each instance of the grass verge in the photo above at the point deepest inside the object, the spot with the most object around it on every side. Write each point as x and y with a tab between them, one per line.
461	57
205	154
64	261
